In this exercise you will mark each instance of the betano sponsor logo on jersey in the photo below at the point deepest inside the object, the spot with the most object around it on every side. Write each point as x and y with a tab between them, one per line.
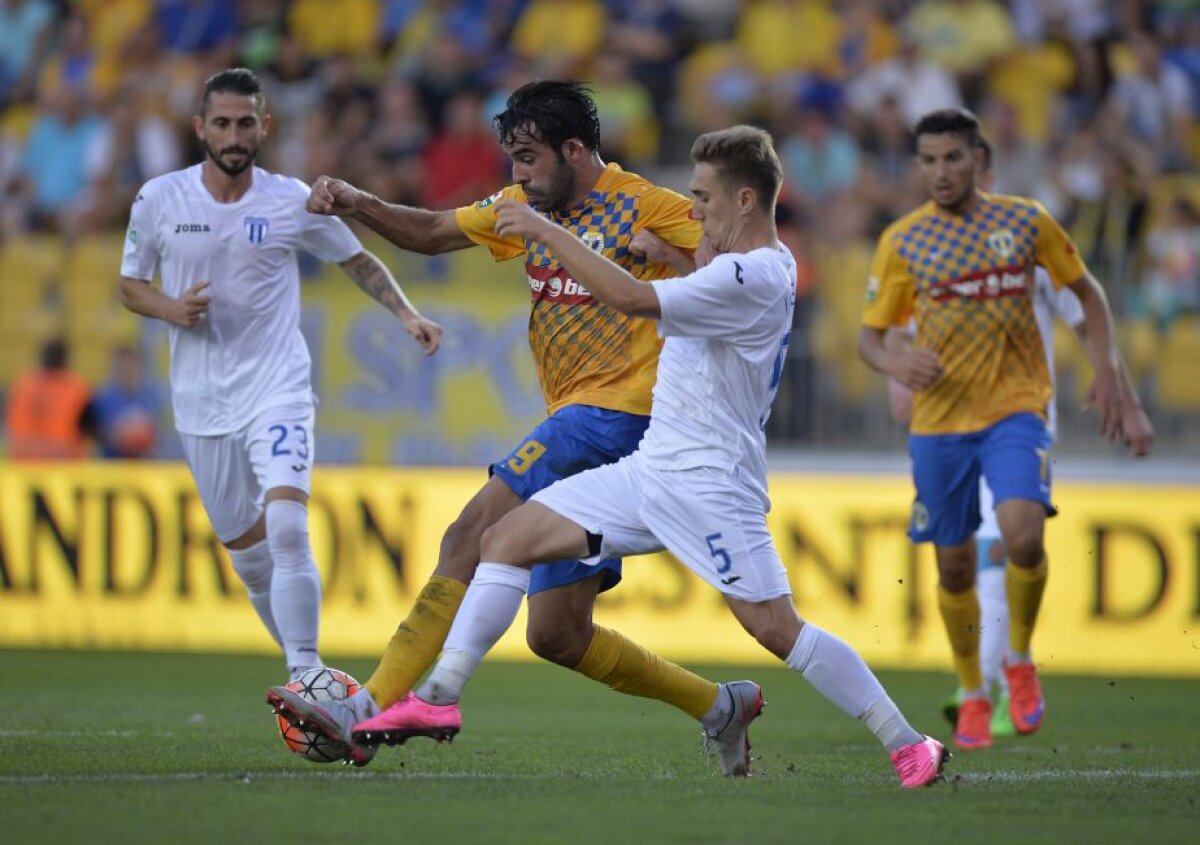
556	286
985	284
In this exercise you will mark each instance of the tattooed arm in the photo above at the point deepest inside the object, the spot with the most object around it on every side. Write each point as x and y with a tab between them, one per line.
373	276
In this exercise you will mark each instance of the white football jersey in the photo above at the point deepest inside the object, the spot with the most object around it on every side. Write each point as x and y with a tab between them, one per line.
247	354
727	328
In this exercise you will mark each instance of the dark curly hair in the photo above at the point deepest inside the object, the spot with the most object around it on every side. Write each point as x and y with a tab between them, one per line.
552	112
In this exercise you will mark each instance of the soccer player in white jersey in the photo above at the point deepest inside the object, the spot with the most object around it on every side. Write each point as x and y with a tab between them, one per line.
697	484
1049	304
222	236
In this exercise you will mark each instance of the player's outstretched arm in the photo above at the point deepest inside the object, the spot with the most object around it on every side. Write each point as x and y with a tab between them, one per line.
414	229
608	282
1136	428
373	276
1105	392
143	298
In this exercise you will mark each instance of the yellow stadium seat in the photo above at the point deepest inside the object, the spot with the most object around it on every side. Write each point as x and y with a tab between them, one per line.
1178	385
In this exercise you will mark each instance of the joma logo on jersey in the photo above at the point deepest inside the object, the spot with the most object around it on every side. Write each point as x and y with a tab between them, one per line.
1002	243
187	228
256	228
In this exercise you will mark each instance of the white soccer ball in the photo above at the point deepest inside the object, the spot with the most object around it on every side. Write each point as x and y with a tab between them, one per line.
321	684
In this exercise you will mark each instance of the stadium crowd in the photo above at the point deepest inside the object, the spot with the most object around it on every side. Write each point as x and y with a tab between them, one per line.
1090	106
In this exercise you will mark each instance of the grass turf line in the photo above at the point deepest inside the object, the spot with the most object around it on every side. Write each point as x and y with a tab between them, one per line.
147	747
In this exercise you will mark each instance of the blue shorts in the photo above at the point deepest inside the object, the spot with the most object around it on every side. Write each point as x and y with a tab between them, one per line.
1012	454
569	441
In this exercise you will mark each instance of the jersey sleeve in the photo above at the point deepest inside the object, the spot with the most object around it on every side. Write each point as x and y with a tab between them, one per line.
478	222
139	257
890	288
668	215
719	300
326	237
1055	251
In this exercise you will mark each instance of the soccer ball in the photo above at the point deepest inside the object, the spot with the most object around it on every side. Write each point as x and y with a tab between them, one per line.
320	684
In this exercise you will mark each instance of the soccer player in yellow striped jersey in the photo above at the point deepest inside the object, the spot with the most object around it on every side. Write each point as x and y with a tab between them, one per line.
962	267
596	367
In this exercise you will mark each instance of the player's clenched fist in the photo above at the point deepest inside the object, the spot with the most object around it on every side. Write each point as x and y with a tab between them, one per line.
517	218
332	196
191	307
917	367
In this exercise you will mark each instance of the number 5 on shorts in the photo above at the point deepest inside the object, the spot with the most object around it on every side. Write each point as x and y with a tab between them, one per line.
720	554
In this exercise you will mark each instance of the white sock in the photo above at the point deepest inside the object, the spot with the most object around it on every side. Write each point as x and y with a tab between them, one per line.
993	627
487	611
254	566
837	672
296	586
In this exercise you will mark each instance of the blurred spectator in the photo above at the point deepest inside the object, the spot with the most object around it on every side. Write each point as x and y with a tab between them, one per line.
963	37
626	111
77	64
50	415
1019	164
820	160
1154	99
889	188
916	83
191	26
293	90
25	35
127	409
1075	20
49	192
462	162
324	29
559	36
1172	285
135	145
650	33
785	38
397	142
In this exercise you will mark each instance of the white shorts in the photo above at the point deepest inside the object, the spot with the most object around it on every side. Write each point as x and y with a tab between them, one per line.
234	471
702	516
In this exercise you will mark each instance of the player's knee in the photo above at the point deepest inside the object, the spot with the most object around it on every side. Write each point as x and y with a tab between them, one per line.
460	549
287	529
956	574
556	645
1027	551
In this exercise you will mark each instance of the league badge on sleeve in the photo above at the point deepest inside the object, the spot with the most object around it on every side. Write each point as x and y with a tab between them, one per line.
256	228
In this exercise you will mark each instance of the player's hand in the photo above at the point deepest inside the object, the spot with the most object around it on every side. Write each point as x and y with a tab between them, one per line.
1105	396
333	196
657	251
425	332
190	308
517	219
1137	430
916	367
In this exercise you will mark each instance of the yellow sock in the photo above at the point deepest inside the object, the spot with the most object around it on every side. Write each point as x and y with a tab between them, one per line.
1024	588
960	613
628	668
417	642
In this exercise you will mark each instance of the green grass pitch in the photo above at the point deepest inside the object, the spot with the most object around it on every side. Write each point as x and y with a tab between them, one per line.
101	747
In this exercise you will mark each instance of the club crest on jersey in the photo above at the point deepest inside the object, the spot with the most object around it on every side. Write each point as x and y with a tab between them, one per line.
1002	243
256	228
594	240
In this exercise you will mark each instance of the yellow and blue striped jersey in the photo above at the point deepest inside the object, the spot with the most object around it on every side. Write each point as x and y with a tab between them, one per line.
587	353
968	281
